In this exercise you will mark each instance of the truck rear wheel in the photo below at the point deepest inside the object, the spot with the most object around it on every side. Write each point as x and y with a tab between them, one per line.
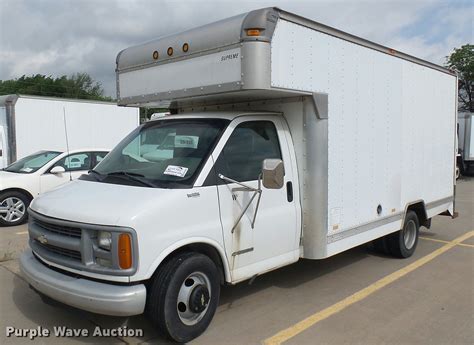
403	242
184	295
13	206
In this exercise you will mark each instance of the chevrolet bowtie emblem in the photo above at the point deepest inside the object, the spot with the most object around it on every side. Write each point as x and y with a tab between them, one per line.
42	239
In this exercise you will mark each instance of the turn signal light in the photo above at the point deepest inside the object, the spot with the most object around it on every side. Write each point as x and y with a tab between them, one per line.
253	32
125	251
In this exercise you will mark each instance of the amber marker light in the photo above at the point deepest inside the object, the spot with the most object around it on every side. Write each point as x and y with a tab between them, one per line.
125	251
253	32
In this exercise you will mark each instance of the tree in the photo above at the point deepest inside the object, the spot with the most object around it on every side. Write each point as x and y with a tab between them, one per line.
78	85
461	60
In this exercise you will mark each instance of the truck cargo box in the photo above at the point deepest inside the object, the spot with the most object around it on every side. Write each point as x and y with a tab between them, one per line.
373	128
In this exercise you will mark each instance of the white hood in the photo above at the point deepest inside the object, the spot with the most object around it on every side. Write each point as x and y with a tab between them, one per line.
102	203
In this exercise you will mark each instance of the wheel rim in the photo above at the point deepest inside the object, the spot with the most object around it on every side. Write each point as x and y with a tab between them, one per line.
195	282
12	209
409	234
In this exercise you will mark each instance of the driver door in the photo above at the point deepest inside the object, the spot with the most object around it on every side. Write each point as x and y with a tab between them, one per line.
272	240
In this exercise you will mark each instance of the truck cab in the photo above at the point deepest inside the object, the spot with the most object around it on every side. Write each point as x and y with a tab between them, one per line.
209	196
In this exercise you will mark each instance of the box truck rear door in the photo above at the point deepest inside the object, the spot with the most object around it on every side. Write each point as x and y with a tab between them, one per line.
272	241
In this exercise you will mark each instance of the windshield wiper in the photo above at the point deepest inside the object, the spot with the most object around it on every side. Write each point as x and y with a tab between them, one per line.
133	176
98	174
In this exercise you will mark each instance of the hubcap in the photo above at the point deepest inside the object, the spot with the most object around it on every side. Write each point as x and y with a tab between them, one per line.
193	298
12	209
409	234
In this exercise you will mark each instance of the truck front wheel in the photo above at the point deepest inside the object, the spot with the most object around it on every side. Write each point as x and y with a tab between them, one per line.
183	296
403	243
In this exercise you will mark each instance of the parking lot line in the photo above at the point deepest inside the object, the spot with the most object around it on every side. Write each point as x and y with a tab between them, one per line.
22	233
443	241
299	327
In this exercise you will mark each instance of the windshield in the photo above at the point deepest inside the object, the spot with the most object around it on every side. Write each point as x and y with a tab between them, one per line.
162	153
32	163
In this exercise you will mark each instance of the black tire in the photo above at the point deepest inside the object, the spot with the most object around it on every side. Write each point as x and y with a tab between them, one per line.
380	245
162	303
403	243
9	195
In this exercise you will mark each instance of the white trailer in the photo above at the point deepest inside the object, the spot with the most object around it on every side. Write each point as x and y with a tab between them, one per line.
30	123
289	140
466	142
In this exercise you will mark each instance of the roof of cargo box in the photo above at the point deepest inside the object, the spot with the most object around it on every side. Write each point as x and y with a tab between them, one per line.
13	98
234	30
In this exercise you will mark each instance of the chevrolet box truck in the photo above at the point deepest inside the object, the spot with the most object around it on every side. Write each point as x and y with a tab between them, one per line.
289	139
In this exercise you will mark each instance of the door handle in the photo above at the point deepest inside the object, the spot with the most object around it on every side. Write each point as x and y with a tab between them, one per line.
289	191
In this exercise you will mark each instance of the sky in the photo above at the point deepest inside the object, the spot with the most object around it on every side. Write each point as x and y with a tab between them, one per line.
62	37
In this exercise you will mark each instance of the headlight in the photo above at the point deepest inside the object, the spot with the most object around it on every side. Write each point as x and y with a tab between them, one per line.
105	240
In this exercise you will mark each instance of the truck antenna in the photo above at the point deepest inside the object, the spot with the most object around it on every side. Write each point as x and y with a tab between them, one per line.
67	140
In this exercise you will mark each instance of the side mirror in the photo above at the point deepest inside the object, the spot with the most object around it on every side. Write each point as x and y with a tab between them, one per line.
57	170
273	172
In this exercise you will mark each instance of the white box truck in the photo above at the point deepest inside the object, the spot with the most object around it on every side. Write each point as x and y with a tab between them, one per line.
466	142
289	140
29	124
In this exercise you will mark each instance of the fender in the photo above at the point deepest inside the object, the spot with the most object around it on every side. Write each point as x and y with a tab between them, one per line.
19	190
422	211
187	241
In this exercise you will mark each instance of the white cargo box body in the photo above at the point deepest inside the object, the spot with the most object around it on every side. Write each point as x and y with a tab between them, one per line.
33	123
373	129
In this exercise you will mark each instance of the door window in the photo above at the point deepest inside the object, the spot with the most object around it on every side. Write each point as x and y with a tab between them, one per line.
76	162
249	144
98	157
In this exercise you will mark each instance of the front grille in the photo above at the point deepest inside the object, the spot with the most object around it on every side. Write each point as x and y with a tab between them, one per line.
73	254
59	229
75	245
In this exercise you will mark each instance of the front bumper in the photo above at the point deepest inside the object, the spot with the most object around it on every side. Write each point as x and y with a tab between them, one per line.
101	298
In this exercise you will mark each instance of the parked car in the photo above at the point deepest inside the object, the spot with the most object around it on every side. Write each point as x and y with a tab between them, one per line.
21	181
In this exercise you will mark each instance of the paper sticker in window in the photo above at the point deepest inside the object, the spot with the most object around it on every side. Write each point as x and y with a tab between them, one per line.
74	165
186	141
175	170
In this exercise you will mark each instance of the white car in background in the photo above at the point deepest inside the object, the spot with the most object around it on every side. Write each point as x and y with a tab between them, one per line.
37	173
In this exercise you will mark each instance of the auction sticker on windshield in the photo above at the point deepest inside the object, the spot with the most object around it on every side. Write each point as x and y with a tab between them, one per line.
175	170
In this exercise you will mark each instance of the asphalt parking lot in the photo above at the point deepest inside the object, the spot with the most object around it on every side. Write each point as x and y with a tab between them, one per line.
356	297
